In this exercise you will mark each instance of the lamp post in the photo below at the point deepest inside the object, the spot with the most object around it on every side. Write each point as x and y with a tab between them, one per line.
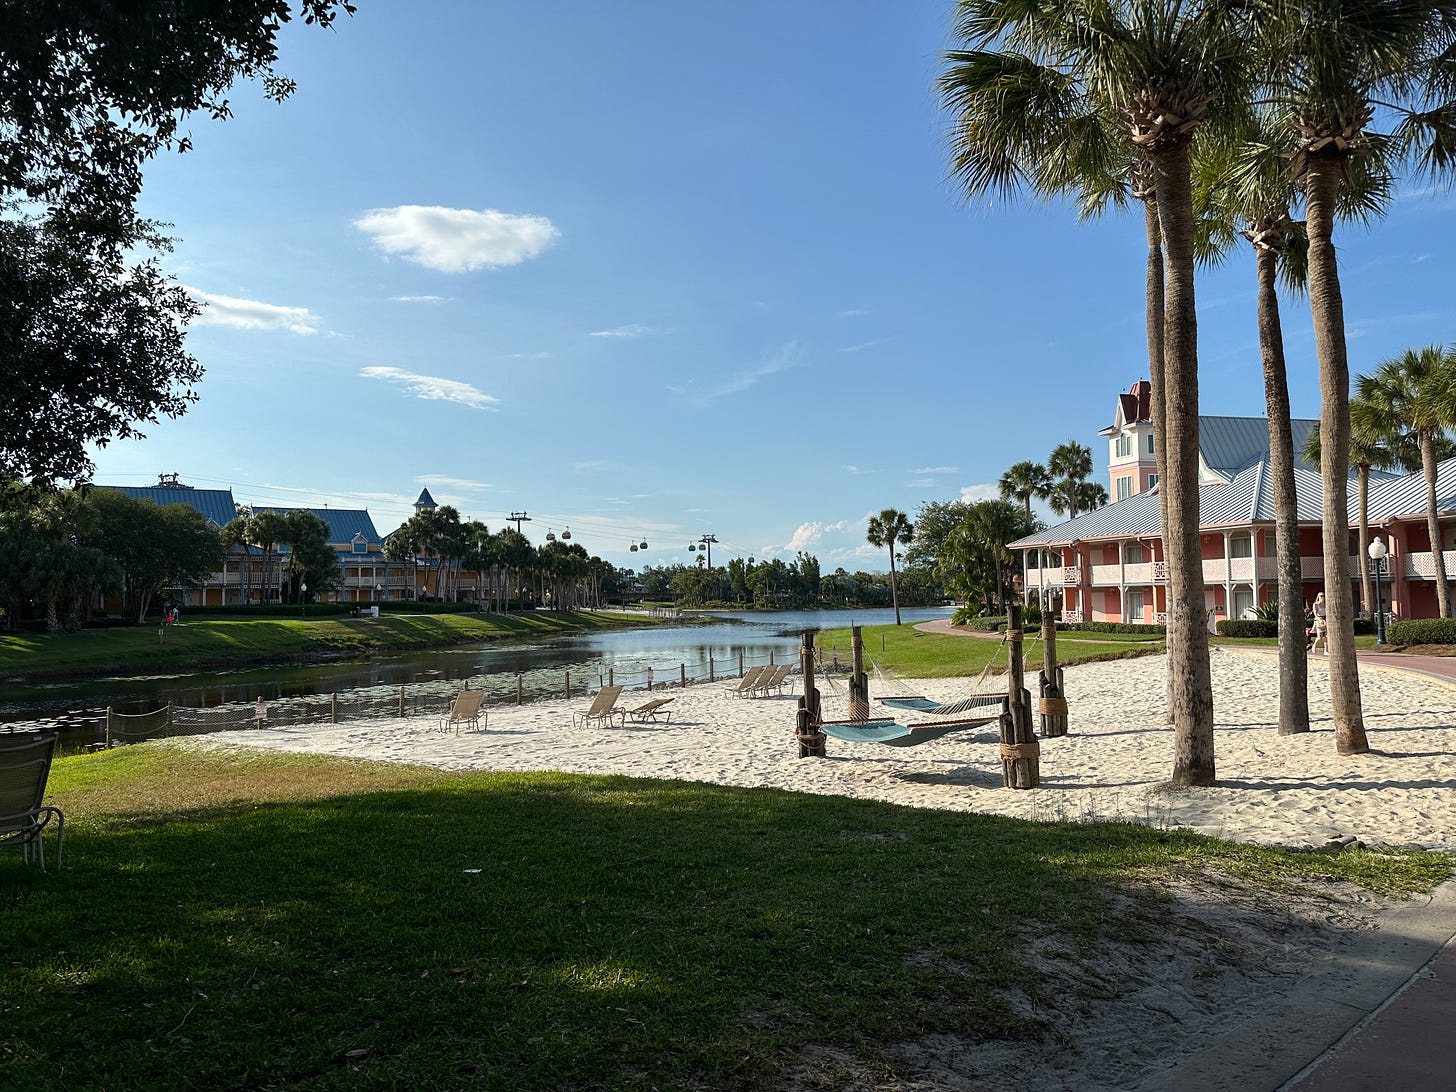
1378	553
378	592
302	599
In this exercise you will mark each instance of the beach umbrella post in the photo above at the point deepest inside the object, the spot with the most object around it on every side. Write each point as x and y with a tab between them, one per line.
808	718
1020	753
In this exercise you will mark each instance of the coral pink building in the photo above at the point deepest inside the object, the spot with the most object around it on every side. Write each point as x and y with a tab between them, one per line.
1108	564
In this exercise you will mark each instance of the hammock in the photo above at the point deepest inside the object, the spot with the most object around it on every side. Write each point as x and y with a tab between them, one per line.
893	734
919	704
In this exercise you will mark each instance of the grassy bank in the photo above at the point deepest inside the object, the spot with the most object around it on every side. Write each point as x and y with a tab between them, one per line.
231	921
202	643
906	651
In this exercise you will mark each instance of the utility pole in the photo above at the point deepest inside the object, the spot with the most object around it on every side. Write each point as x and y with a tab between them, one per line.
707	544
518	518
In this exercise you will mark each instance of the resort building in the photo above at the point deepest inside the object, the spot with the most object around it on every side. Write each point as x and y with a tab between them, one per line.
1108	564
248	575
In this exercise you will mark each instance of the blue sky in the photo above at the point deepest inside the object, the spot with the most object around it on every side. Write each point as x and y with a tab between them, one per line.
651	270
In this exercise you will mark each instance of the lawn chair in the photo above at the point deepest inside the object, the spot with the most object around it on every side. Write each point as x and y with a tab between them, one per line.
25	764
603	708
465	709
745	685
774	680
650	710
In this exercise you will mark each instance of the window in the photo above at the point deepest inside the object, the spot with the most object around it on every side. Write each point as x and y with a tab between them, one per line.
1124	445
1133	553
1150	444
1243	603
1134	605
1152	480
1241	546
1124	487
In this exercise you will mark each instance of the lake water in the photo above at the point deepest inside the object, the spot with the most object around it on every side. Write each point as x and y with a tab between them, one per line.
541	667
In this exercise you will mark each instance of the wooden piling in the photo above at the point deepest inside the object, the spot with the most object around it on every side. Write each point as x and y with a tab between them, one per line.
1051	703
334	708
859	683
808	718
401	701
108	727
683	669
1020	753
568	686
518	688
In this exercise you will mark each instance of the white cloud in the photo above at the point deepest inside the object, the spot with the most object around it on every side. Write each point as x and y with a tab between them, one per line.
807	535
853	469
420	299
936	470
862	346
250	314
920	483
433	388
786	357
988	491
453	483
633	329
853	312
457	240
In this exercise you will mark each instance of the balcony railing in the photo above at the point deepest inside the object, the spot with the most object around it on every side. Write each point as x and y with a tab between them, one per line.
1422	566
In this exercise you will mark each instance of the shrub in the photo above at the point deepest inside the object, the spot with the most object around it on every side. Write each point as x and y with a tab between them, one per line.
1247	627
1422	631
1112	627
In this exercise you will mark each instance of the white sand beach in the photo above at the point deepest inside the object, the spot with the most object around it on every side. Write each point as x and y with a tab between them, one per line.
1272	789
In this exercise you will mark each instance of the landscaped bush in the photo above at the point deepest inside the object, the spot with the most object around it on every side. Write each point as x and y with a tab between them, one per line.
1247	627
253	610
424	606
1112	627
984	623
1422	631
1364	627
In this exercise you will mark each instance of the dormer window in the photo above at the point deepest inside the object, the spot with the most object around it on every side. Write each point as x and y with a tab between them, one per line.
1124	445
358	545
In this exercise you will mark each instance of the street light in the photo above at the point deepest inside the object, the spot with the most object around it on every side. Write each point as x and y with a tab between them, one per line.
1378	553
378	592
302	599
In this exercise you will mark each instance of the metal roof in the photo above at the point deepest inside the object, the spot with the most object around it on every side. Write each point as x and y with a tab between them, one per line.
1232	444
344	523
1407	496
216	505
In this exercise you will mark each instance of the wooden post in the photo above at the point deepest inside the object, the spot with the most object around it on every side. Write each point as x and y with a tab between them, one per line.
169	718
568	686
649	680
108	727
611	676
1051	689
710	668
859	683
401	701
683	668
770	658
334	708
808	718
1020	753
740	663
518	688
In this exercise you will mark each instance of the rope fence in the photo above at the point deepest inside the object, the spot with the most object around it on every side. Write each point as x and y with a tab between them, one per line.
110	728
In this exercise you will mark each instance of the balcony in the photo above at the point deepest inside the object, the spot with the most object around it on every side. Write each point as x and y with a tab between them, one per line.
1422	566
1106	576
1048	577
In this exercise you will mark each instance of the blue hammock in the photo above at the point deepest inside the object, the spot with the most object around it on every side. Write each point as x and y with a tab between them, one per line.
893	734
919	704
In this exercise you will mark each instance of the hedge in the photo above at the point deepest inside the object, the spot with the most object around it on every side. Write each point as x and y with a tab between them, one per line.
1112	627
1247	627
1422	631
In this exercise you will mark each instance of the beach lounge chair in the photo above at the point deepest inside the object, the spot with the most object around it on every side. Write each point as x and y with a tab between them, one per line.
465	709
745	685
25	764
773	680
603	708
650	711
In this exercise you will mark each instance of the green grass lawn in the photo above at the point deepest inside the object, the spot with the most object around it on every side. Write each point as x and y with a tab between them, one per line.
202	642
908	652
259	921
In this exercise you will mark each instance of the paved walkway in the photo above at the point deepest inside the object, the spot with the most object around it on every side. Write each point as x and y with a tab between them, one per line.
1398	1034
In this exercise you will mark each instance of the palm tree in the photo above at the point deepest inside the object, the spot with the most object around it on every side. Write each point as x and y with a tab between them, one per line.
1409	398
889	528
1165	71
1023	481
1090	496
1333	64
1070	465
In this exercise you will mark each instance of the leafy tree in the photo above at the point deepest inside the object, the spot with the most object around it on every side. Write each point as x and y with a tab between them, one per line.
890	528
311	560
934	520
157	546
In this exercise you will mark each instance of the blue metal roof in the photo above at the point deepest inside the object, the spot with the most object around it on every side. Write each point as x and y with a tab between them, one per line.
1407	496
344	523
1232	444
216	505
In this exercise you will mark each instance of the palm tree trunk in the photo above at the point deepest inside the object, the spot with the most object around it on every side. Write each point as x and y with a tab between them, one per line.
1327	307
1293	663
1187	622
1362	485
1153	311
1433	522
894	595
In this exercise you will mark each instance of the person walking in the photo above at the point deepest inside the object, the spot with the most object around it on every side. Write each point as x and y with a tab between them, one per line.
1321	625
